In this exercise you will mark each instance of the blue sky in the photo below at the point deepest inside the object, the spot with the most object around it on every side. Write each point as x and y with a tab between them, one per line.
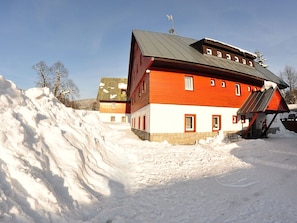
92	37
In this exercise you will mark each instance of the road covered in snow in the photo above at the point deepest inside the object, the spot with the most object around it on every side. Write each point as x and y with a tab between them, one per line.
62	165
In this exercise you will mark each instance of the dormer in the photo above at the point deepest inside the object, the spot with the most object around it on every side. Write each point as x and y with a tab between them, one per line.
222	50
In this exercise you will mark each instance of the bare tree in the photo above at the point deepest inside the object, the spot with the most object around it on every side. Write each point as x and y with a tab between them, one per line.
289	75
44	74
56	79
60	74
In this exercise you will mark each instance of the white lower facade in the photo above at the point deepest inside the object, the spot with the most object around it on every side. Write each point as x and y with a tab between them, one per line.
167	118
115	117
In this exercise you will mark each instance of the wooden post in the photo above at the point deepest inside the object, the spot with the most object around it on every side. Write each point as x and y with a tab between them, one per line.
250	125
266	129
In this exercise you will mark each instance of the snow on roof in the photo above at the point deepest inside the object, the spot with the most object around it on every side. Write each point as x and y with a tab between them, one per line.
122	85
293	107
229	45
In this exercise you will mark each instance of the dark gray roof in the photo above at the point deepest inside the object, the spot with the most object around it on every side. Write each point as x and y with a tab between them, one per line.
178	48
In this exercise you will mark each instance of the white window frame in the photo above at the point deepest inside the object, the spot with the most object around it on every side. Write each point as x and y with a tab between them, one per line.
236	59
234	119
216	122
190	122
208	51
219	54
237	90
223	84
244	61
212	82
251	63
228	56
189	83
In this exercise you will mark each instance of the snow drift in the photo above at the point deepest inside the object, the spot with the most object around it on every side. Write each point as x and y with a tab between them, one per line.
53	160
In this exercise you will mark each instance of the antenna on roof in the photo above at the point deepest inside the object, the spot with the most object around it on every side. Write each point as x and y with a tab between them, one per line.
170	18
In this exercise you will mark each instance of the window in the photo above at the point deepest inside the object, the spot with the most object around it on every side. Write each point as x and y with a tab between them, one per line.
143	124
251	63
228	56
249	88
133	123
242	118
236	59
237	89
216	122
219	54
223	84
189	83
143	87
234	119
139	122
123	91
123	118
212	82
243	61
209	51
190	123
113	105
112	118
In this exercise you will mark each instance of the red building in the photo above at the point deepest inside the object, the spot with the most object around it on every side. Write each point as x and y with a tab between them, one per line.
182	90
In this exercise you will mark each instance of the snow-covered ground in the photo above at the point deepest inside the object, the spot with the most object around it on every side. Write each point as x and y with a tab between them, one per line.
62	165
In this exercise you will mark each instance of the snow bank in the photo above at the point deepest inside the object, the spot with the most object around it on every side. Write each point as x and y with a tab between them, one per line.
53	160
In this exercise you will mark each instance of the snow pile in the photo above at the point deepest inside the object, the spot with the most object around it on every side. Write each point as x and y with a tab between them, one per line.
53	160
62	165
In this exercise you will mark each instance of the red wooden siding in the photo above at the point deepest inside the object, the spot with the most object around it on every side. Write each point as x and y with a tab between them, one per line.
140	95
114	107
140	64
169	88
277	103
